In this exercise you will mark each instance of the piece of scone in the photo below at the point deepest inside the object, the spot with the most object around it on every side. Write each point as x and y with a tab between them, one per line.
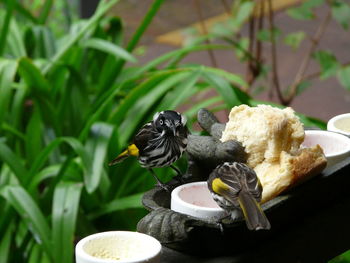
289	171
272	139
264	131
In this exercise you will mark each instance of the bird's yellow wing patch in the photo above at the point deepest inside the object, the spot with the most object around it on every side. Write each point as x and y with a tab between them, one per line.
133	150
219	186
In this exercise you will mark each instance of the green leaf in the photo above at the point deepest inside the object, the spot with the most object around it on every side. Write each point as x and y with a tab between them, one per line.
64	215
303	86
328	63
305	10
13	161
5	24
265	34
341	12
110	48
33	77
45	11
31	214
34	135
180	93
5	243
223	88
15	41
40	160
97	144
294	39
103	7
128	202
234	78
301	13
7	73
344	77
240	15
313	3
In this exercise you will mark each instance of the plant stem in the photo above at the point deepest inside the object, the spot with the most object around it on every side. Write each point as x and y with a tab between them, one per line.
250	65
205	32
226	6
306	61
275	79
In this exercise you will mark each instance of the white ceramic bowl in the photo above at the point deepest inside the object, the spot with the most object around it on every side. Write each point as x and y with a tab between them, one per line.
194	199
118	246
336	146
337	124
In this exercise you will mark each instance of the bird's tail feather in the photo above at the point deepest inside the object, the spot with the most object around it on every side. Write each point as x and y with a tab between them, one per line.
132	150
254	216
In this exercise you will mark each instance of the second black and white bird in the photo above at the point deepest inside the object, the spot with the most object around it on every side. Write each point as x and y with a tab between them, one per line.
236	187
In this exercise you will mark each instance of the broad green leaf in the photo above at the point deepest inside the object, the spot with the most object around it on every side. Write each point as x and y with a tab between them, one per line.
328	63
301	13
313	3
180	93
5	243
241	14
223	88
97	144
5	24
241	47
265	34
78	149
45	11
203	104
31	214
235	79
34	136
13	161
33	77
341	12
64	215
35	254
103	7
147	19
24	12
344	77
305	10
303	86
128	202
7	73
294	39
110	48
15	41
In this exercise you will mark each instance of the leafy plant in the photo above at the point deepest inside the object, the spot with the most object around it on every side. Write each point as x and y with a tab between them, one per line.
261	28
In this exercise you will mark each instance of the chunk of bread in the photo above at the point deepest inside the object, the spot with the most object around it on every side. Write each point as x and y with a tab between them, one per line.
272	139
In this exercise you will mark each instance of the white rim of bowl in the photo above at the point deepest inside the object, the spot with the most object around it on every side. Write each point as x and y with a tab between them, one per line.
79	248
175	196
331	126
332	134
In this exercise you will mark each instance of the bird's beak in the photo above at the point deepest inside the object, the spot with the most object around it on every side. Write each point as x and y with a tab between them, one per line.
173	128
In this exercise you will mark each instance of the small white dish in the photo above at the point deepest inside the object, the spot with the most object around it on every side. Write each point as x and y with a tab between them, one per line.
340	124
336	147
195	199
118	246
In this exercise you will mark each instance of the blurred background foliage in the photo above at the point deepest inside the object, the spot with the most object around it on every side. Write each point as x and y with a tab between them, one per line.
72	95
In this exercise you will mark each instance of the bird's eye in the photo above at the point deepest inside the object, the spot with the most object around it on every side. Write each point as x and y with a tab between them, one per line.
161	122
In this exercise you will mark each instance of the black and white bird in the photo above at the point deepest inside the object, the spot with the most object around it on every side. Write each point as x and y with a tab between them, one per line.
236	187
159	143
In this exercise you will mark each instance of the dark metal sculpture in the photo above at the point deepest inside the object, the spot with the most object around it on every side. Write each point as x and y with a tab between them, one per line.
209	238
